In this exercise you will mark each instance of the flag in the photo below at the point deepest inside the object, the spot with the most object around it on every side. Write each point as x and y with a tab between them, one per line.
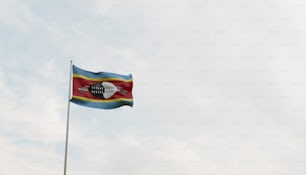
102	89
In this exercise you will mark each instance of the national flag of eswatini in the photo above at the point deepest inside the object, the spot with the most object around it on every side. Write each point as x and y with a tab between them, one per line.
102	89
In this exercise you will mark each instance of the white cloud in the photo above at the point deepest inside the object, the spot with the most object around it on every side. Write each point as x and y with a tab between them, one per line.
210	97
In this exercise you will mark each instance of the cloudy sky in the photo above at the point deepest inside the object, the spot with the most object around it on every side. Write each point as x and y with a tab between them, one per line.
219	87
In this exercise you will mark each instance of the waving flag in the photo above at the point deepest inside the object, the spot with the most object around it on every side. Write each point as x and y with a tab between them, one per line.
102	89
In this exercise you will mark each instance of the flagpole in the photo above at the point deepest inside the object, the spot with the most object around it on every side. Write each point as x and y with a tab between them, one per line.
68	113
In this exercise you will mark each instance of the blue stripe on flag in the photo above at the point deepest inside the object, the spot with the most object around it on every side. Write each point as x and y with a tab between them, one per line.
85	73
108	105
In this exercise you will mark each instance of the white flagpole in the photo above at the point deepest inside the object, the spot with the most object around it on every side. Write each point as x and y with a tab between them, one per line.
68	112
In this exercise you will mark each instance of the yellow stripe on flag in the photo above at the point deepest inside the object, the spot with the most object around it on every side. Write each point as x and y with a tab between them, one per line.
100	79
102	101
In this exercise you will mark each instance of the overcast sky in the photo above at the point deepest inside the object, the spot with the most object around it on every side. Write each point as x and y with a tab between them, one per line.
219	87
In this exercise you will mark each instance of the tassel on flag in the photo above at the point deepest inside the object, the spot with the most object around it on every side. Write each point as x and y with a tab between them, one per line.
102	90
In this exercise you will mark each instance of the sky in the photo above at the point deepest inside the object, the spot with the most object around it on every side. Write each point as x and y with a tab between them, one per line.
219	87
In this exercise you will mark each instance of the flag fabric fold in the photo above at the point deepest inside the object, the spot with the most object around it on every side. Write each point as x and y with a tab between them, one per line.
102	90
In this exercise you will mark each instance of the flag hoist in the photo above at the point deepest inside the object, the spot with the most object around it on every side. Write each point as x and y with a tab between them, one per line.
102	90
